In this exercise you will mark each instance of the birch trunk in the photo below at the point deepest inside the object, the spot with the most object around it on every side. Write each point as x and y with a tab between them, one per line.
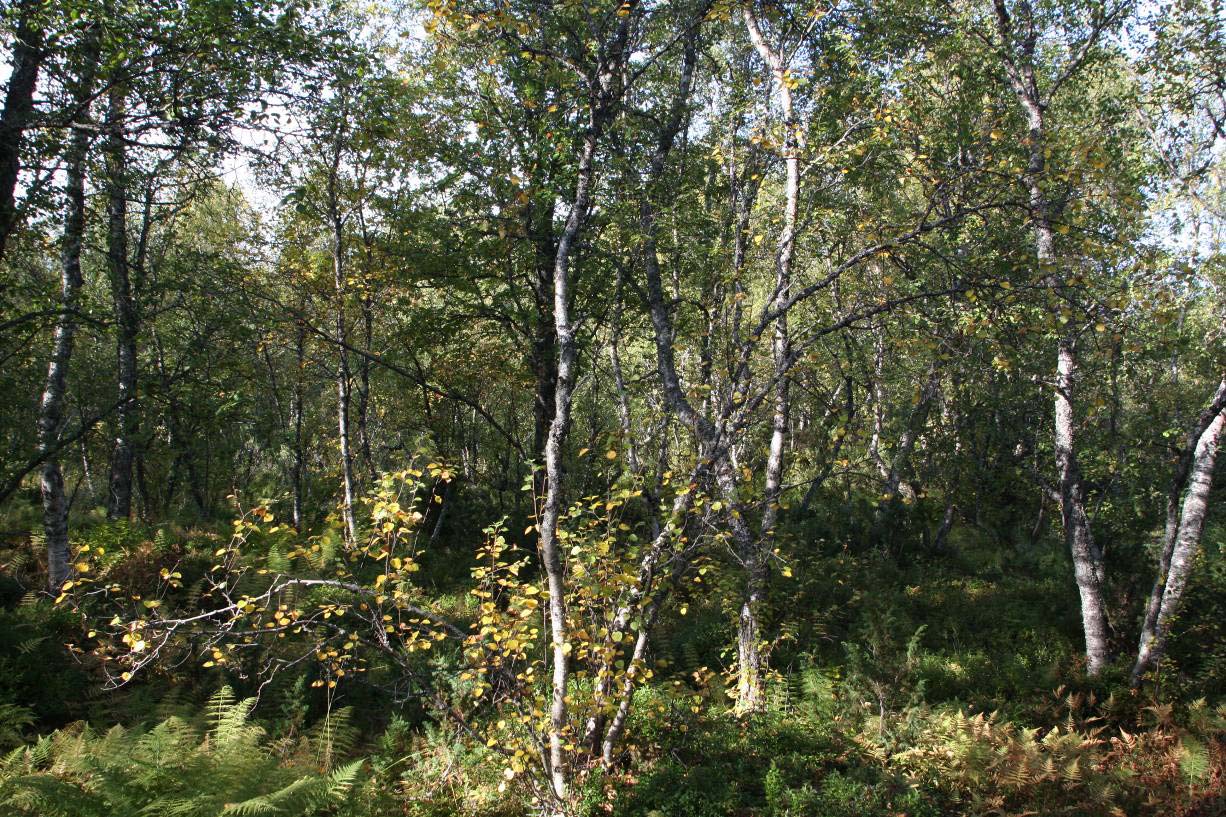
1019	51
1187	546
751	663
1188	466
604	95
603	741
54	397
343	378
1087	559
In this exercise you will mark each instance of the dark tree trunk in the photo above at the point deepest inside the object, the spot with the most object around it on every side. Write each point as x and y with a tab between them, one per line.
28	55
127	322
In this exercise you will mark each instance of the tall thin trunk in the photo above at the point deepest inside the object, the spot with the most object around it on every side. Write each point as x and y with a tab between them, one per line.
559	426
751	662
947	524
915	426
368	328
343	381
119	503
51	407
601	740
894	488
365	447
878	392
1201	443
604	96
344	375
1019	48
296	471
179	441
28	55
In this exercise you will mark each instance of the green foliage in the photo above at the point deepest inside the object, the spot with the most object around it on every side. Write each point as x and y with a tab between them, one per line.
173	768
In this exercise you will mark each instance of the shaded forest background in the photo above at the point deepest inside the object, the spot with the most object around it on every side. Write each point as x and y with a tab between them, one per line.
689	408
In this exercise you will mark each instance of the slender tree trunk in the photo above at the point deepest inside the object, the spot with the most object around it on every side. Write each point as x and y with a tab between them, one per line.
751	662
605	93
878	392
296	471
1018	46
941	539
343	380
119	503
28	55
559	427
368	324
1182	530
911	434
894	488
54	398
603	741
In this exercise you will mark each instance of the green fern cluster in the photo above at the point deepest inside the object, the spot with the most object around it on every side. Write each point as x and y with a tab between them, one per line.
176	769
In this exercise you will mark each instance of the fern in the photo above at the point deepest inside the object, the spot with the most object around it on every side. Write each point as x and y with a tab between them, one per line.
173	769
334	736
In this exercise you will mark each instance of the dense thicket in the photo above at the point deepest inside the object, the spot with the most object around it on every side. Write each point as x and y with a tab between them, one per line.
692	408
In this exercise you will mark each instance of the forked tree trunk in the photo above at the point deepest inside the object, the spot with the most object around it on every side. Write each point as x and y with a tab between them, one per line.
1187	546
603	741
1184	523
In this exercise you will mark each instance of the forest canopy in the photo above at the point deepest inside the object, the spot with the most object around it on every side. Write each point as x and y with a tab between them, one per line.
690	408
